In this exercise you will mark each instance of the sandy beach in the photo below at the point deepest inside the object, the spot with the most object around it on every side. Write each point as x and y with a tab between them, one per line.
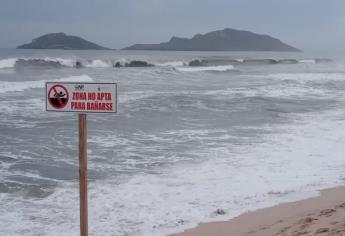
322	215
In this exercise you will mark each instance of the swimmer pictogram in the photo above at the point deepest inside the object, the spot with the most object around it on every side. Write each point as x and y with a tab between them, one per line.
58	96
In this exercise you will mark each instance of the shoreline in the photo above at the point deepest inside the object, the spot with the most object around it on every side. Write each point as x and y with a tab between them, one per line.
320	215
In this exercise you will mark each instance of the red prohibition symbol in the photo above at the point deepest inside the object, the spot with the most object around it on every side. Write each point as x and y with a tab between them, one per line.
58	96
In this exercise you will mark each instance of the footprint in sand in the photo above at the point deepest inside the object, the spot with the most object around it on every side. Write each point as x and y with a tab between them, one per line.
341	205
299	233
322	230
327	212
307	220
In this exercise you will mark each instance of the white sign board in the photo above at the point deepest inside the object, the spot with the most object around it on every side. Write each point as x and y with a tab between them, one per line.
81	97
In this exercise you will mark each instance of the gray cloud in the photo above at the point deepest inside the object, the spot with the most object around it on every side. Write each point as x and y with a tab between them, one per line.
307	24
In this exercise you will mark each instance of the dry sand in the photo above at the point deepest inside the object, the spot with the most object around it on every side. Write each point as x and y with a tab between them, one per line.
321	216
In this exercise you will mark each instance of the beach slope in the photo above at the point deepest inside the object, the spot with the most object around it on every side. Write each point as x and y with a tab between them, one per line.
323	215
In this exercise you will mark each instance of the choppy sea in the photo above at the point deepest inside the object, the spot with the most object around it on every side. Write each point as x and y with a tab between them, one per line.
237	134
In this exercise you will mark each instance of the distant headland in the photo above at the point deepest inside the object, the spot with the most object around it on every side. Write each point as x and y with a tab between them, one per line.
61	41
220	40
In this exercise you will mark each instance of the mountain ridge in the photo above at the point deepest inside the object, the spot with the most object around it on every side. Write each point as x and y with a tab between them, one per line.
220	40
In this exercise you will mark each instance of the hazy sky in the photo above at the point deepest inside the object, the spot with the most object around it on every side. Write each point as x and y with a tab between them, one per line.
312	25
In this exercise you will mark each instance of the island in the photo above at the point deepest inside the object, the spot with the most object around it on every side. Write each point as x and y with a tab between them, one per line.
61	41
220	40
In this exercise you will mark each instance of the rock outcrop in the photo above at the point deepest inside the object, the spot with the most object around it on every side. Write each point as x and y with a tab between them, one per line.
61	41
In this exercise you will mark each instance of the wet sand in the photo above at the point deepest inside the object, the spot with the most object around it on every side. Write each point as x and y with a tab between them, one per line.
321	216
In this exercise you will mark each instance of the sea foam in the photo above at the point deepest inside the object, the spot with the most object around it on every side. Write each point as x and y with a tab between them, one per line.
6	86
98	64
7	63
172	63
290	165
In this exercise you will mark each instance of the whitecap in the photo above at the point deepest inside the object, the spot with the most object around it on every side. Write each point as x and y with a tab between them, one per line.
172	63
7	86
98	64
312	61
7	63
205	68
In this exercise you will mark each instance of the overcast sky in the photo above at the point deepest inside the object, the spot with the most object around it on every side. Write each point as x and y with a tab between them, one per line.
312	25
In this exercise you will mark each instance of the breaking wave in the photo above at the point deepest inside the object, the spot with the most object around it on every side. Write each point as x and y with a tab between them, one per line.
222	61
20	63
7	63
6	86
172	64
98	64
206	68
209	63
40	62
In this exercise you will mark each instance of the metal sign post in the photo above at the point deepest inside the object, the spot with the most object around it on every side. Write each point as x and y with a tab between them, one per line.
82	98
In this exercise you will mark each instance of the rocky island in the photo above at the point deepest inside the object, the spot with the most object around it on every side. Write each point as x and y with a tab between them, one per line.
220	40
61	41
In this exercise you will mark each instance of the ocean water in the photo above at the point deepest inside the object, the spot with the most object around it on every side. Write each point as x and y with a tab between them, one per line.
236	135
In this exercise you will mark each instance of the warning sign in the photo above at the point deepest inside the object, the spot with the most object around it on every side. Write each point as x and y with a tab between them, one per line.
81	97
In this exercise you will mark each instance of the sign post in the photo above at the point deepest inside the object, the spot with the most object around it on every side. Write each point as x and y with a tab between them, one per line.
82	98
83	174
